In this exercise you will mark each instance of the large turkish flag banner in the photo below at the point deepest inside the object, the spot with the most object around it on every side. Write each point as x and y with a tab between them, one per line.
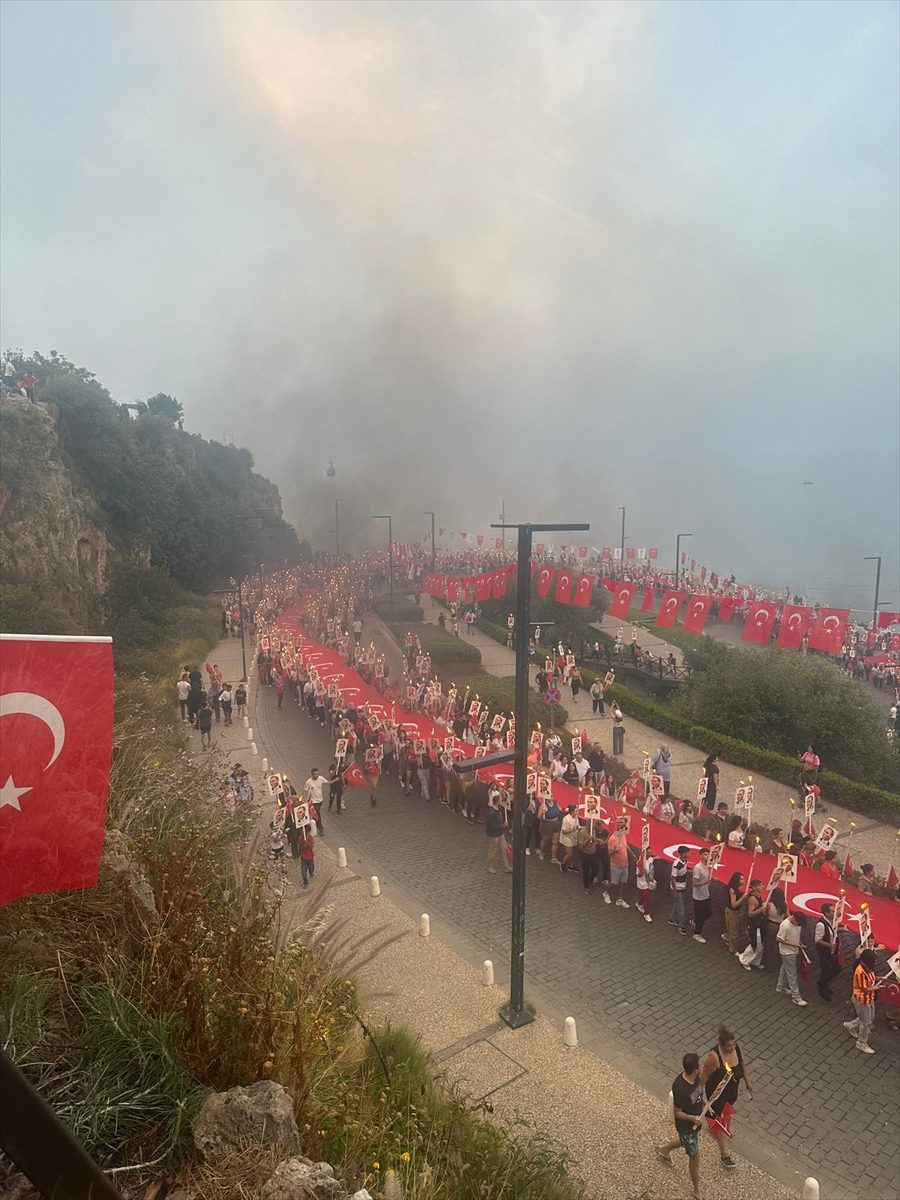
668	607
624	594
498	584
544	579
795	622
697	611
647	602
828	630
726	608
583	590
761	616
563	587
887	619
56	705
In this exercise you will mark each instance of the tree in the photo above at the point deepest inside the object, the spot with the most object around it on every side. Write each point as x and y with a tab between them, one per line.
162	405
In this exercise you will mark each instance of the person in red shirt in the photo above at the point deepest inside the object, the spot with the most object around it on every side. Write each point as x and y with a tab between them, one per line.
829	867
306	844
373	773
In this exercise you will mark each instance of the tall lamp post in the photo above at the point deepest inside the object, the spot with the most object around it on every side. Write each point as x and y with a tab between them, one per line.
622	511
235	517
875	558
433	551
337	525
386	517
678	556
515	1013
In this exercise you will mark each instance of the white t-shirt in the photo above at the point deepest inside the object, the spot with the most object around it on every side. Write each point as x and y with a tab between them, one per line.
183	688
313	789
791	934
582	768
568	830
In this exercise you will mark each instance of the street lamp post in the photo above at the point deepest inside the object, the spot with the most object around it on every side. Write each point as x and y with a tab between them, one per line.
433	552
386	517
515	1013
237	584
337	525
622	511
875	558
678	556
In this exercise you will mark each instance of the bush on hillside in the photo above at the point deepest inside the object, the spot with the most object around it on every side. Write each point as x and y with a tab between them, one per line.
24	610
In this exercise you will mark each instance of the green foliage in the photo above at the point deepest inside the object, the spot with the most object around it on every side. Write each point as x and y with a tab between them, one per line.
559	622
499	693
443	647
673	635
783	702
165	406
860	797
24	610
404	612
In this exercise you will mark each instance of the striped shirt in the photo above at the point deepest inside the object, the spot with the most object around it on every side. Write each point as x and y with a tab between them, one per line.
679	875
864	985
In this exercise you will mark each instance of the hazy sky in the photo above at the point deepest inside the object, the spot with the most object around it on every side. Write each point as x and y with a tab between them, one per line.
569	255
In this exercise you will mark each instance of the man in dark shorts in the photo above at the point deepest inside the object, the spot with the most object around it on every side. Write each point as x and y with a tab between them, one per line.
687	1095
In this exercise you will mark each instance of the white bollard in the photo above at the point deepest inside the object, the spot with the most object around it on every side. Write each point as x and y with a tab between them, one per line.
570	1037
810	1189
487	973
249	734
342	856
424	925
265	766
374	886
246	721
253	749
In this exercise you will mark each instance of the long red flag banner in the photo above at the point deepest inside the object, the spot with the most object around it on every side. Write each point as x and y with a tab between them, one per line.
807	889
55	748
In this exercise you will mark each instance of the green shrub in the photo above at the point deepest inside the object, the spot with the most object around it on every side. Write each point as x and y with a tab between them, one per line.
24	610
859	797
443	647
500	696
404	610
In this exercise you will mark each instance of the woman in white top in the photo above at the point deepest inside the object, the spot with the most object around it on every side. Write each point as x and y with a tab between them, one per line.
568	839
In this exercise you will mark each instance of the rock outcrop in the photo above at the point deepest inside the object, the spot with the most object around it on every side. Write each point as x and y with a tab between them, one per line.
259	1115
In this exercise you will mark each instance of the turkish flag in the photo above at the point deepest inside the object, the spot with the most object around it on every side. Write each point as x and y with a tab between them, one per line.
452	590
760	618
545	578
624	594
353	776
828	629
57	710
583	590
498	584
697	611
512	571
653	552
726	608
891	881
795	622
668	607
647	602
563	587
483	587
887	619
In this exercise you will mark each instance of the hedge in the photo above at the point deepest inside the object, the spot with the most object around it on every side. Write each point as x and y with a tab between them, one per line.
499	693
443	647
404	609
861	797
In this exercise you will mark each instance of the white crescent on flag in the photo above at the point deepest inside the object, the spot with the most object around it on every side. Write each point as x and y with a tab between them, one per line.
29	704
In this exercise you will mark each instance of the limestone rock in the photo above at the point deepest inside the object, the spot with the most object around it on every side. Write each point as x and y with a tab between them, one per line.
300	1179
259	1115
362	1194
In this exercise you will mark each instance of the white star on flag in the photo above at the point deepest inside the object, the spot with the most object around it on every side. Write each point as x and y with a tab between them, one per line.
9	794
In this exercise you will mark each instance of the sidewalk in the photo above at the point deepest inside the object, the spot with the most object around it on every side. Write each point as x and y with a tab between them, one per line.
609	1123
872	840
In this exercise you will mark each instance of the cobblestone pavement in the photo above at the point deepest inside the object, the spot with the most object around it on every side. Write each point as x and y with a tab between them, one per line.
642	994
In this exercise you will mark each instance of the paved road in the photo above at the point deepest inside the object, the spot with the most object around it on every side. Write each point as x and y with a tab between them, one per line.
651	992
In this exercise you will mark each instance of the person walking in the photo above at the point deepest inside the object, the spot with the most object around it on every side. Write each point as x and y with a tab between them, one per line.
335	787
588	852
756	916
678	885
865	985
662	766
568	840
826	939
204	724
723	1059
700	894
183	690
776	911
790	932
313	794
736	900
373	774
711	775
596	693
551	820
306	844
240	700
495	827
226	700
618	733
575	682
646	883
687	1098
618	860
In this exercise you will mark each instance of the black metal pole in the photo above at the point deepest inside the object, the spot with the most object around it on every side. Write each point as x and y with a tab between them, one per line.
337	528
677	560
391	566
33	1136
515	1014
243	645
433	551
876	558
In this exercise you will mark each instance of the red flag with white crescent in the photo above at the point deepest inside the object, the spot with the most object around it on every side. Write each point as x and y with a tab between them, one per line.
726	608
668	608
647	602
544	579
353	776
828	630
887	619
483	585
761	616
795	622
498	584
624	594
563	587
695	616
57	724
583	590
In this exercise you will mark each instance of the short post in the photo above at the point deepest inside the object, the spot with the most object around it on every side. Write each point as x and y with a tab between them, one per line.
570	1036
253	749
246	721
810	1189
249	734
342	856
374	886
265	765
424	925
487	973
